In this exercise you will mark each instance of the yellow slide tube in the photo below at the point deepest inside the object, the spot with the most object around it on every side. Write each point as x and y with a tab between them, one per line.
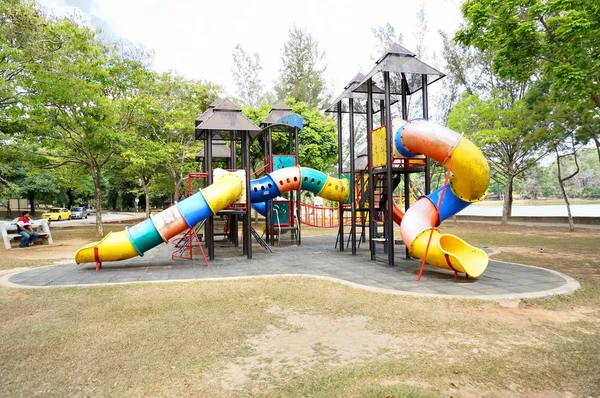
115	246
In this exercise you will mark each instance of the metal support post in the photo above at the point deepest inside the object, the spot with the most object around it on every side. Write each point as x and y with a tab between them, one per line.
352	178
389	222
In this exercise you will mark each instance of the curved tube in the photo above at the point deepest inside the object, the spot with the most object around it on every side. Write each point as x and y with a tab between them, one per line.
468	183
226	190
261	208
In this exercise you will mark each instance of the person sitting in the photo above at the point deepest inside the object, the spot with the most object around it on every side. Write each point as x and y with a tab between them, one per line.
26	230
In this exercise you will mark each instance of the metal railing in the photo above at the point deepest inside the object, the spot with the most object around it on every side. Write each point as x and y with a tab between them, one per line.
319	216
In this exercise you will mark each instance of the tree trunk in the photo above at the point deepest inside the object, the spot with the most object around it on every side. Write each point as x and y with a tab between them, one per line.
177	183
561	182
147	196
31	198
508	199
97	177
597	142
70	196
566	198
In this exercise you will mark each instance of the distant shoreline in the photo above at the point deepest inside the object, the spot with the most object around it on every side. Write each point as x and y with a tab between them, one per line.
538	202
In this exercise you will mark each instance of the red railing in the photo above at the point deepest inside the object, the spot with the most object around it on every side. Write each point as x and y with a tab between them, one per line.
318	216
321	217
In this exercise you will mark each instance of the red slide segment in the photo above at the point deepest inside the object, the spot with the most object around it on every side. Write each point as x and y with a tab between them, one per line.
398	214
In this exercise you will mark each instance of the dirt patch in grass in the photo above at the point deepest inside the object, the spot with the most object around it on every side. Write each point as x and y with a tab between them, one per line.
297	342
528	316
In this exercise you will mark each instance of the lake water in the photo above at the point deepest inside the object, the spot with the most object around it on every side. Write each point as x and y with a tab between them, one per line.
591	210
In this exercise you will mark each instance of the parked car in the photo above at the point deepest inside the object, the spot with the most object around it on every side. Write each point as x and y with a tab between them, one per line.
57	214
79	212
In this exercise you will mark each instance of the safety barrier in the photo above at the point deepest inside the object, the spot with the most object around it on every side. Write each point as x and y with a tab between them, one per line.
318	216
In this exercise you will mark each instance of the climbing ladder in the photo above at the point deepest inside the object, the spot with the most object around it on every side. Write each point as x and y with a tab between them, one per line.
260	240
185	245
360	186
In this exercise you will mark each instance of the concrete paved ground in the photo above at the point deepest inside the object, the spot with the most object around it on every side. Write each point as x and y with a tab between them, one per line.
316	257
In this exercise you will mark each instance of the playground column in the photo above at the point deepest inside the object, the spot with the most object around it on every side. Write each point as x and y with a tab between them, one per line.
352	177
406	175
370	187
247	222
298	192
208	225
388	173
233	231
426	117
269	204
340	169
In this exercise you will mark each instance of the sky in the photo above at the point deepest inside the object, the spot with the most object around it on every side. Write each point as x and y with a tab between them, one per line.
197	38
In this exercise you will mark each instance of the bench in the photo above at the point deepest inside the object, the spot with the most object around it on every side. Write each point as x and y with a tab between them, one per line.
10	234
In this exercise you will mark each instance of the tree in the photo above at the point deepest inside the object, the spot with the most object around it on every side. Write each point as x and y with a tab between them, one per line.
558	39
559	123
301	73
81	113
385	36
27	39
142	163
468	70
537	182
503	129
246	70
171	103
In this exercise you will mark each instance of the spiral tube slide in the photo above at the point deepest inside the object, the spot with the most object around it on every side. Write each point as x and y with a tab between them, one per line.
186	214
470	176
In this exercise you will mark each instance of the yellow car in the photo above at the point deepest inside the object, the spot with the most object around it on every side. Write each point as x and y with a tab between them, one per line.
57	214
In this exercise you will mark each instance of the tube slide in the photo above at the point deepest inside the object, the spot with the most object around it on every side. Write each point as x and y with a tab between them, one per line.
186	214
470	176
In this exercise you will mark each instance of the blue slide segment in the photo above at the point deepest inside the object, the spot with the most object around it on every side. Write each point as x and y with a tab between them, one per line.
263	189
451	204
400	147
261	208
194	209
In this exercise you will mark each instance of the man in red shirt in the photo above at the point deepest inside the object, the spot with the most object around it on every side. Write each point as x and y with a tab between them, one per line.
26	231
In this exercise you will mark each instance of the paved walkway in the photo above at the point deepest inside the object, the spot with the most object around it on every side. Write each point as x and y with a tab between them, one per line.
316	257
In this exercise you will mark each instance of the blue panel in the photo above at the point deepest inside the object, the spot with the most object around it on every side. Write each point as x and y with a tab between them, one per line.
292	120
399	146
451	204
312	180
261	208
263	189
194	209
283	161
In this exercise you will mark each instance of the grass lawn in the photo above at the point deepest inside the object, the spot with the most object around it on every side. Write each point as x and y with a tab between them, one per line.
283	337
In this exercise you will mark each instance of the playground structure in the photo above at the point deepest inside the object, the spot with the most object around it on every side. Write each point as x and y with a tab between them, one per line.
395	150
227	190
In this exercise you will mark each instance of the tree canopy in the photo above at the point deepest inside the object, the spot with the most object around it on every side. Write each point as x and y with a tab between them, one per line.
302	69
559	38
503	129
